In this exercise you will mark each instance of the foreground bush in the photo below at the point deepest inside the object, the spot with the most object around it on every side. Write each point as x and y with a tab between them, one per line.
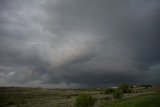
125	88
84	101
109	91
118	94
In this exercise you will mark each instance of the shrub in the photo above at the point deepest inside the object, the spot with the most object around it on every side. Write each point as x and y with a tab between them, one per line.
109	91
23	101
10	103
84	101
125	88
117	94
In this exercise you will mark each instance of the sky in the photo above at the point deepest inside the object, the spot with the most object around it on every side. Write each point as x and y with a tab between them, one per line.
79	43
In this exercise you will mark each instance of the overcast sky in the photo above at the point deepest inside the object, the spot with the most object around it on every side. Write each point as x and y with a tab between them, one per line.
79	43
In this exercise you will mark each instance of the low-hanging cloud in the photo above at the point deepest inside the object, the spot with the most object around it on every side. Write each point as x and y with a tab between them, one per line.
79	43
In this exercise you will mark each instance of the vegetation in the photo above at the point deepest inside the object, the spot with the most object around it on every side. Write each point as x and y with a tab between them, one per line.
35	97
146	86
152	100
117	94
109	91
125	88
113	97
84	100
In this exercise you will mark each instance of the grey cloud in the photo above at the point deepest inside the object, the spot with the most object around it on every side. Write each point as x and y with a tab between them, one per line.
78	43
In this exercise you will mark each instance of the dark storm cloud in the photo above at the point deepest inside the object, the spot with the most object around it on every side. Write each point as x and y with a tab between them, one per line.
79	43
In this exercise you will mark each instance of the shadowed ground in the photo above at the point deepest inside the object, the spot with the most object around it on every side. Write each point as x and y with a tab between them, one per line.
152	100
39	97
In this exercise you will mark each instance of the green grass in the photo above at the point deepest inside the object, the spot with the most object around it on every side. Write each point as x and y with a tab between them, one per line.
33	97
38	97
152	100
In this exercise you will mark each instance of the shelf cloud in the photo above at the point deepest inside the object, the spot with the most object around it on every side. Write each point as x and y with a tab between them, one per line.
79	43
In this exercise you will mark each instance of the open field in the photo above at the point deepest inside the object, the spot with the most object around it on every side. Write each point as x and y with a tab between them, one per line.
39	97
151	100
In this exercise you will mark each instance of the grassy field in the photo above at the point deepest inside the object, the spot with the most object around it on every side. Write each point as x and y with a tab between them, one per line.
152	100
35	97
39	97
